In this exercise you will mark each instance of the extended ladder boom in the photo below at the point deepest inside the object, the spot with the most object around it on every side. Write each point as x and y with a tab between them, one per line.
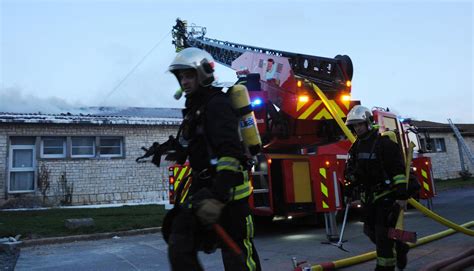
328	73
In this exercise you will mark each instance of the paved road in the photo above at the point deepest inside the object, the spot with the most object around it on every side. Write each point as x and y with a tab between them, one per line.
276	245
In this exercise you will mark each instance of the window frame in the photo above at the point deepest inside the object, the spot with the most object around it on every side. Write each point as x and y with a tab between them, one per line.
11	169
63	155
434	144
120	138
94	146
441	143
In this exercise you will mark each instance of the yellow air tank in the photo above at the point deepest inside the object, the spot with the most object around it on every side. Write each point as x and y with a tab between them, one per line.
248	125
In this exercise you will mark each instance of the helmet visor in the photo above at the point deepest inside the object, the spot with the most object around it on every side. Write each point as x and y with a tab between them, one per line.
175	67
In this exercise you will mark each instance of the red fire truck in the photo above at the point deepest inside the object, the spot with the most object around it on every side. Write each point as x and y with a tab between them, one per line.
300	169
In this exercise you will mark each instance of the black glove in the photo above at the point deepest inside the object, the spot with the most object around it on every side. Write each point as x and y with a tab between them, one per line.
349	184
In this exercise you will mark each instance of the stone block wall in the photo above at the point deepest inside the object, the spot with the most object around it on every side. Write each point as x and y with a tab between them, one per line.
97	180
447	165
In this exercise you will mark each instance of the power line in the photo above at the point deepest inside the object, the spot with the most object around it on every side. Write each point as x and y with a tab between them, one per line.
134	68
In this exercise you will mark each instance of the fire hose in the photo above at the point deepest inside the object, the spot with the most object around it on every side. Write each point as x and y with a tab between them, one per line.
371	255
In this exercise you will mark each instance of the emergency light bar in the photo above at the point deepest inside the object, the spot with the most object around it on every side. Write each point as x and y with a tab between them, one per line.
256	102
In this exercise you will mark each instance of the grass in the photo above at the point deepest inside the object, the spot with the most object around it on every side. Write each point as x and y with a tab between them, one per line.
441	185
50	223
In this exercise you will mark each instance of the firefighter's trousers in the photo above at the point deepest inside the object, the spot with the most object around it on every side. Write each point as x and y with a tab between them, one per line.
188	237
379	217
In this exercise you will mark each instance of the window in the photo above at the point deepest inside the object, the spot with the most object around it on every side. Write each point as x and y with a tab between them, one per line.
21	176
279	68
53	147
390	123
23	140
82	147
111	147
439	145
423	145
434	145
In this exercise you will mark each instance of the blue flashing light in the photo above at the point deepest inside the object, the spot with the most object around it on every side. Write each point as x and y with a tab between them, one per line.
256	102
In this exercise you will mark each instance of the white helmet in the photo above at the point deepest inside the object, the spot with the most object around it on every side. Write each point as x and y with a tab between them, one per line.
359	114
194	58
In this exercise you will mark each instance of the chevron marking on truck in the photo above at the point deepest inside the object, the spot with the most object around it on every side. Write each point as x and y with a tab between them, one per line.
317	111
180	173
426	186
324	188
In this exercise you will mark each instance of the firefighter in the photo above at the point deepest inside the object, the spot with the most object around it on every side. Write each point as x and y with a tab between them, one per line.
220	186
375	168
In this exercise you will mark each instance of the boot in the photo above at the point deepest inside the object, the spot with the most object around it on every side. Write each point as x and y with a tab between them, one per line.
402	251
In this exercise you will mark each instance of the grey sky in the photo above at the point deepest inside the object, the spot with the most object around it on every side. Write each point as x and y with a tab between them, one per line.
413	57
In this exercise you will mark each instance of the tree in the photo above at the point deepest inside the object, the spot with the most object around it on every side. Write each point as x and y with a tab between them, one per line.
43	181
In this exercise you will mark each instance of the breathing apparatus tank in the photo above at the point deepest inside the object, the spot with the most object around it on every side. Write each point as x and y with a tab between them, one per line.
240	100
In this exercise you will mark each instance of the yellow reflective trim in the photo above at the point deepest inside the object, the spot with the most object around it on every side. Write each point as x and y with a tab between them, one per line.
228	163
426	186
249	224
229	168
424	174
399	177
249	259
322	171
310	109
243	190
325	206
400	181
323	114
242	194
175	171
324	189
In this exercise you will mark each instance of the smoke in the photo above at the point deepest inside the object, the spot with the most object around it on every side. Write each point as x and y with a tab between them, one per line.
13	100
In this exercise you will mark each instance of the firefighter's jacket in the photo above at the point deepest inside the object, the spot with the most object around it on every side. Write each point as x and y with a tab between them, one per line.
210	127
377	168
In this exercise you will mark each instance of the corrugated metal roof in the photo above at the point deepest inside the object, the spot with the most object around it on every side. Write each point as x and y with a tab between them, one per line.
100	116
